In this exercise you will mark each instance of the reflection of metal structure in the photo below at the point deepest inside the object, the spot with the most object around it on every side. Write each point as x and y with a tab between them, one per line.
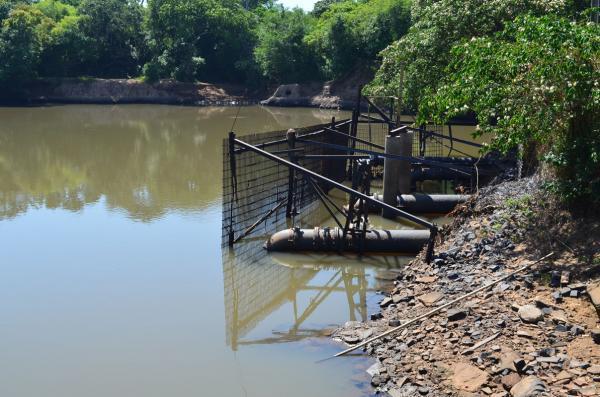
255	285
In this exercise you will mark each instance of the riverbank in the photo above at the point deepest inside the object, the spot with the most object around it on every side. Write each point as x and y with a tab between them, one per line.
340	94
530	335
120	91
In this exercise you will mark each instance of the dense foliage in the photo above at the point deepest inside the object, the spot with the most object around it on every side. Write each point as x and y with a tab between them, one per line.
255	42
348	32
535	83
417	60
281	52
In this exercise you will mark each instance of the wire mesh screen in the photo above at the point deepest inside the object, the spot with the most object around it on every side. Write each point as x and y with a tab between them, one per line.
261	185
423	144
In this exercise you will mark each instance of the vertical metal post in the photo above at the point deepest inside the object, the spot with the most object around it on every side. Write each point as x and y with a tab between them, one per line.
291	138
354	127
232	166
396	173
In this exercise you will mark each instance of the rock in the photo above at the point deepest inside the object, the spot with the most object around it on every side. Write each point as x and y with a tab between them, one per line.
551	360
376	316
557	296
565	291
588	390
374	369
578	364
507	360
530	386
364	333
468	377
563	375
456	314
423	390
350	339
519	364
524	334
394	322
530	314
430	298
396	393
593	290
386	302
596	335
508	381
594	370
565	277
377	380
426	279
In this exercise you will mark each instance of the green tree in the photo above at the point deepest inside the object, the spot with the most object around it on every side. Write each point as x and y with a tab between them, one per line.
200	39
349	33
113	36
23	36
281	53
417	61
536	83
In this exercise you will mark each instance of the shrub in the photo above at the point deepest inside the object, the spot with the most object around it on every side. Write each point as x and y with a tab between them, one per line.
536	84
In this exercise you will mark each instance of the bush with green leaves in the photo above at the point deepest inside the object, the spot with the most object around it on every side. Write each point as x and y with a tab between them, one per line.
417	61
536	83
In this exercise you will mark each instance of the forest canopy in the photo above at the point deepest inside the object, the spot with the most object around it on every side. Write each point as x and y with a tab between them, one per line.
253	42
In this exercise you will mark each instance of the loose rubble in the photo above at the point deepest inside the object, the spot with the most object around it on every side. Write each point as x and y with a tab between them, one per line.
535	334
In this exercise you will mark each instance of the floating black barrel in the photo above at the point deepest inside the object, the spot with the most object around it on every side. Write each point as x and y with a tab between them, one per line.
331	239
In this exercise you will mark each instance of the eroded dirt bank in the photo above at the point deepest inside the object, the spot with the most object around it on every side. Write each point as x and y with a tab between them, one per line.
533	334
112	91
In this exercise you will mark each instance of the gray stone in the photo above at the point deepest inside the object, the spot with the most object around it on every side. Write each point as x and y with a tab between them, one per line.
386	302
430	298
374	369
456	314
596	335
530	314
530	386
593	290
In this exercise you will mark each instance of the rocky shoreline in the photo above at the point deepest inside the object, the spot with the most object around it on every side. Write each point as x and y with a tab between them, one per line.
534	334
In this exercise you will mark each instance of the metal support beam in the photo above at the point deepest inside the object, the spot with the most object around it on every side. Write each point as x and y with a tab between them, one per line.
344	188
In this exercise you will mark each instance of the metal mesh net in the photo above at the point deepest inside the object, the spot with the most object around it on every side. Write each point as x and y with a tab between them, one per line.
261	185
423	145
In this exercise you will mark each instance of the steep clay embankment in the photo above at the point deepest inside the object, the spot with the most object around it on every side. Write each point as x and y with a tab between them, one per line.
113	91
337	94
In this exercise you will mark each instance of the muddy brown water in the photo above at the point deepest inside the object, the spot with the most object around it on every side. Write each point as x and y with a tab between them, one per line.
112	277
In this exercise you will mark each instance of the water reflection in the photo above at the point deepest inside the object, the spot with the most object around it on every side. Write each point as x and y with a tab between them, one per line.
257	285
145	160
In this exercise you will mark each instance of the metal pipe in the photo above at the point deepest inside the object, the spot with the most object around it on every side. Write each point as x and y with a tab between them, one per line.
258	222
474	144
338	185
280	141
356	139
385	155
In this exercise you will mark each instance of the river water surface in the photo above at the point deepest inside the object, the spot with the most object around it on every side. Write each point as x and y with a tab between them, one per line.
113	281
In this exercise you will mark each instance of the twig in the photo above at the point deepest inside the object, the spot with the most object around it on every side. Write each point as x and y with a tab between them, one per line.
483	342
431	312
